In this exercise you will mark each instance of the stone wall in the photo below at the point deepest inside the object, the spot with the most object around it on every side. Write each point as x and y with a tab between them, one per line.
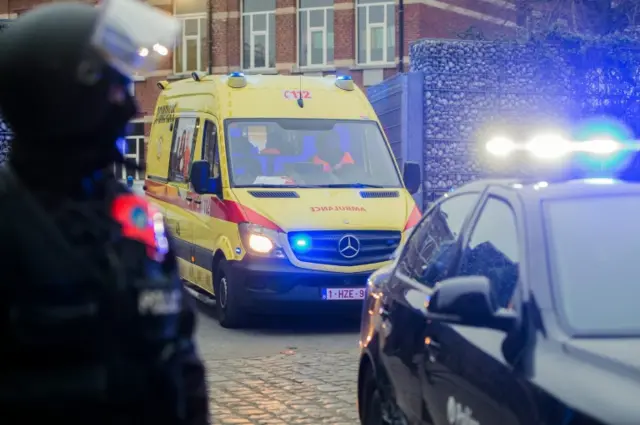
472	88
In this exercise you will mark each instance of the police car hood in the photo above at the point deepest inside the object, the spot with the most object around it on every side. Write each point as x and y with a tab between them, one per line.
598	377
336	209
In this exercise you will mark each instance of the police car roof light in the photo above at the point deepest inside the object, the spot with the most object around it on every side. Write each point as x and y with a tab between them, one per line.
236	80
345	82
554	146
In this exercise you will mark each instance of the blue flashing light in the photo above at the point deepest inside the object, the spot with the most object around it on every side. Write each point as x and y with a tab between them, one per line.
236	74
301	243
121	144
344	78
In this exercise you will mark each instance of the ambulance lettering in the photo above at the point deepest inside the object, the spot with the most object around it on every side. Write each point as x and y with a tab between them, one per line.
296	94
352	208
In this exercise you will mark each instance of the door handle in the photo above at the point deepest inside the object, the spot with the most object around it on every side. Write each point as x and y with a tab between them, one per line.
189	199
178	228
197	201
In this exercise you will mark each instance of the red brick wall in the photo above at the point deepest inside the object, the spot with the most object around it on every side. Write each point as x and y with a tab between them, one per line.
420	21
286	40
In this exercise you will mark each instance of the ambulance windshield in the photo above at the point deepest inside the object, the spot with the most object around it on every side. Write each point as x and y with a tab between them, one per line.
309	153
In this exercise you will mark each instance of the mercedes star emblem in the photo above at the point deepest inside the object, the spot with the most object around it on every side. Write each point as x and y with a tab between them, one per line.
348	246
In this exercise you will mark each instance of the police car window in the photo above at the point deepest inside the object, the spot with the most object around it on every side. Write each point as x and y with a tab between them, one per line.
442	224
492	250
594	244
185	132
210	148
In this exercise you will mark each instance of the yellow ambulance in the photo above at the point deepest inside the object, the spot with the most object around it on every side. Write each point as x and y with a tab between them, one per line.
281	191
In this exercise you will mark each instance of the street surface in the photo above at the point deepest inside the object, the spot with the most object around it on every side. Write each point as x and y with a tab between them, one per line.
282	371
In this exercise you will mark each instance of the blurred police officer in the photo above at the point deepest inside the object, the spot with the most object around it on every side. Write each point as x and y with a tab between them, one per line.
94	324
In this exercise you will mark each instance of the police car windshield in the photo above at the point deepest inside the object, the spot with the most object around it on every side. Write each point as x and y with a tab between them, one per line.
311	153
595	253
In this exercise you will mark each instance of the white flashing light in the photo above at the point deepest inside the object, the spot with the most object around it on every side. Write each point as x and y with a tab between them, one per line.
143	52
500	146
602	147
549	146
600	180
160	49
540	185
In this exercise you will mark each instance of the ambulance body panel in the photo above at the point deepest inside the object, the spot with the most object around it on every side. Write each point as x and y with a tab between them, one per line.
328	225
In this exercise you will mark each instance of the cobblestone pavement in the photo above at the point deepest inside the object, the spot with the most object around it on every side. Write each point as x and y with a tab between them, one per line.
292	388
281	374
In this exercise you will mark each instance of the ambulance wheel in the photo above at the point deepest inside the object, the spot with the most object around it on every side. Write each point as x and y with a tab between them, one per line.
230	313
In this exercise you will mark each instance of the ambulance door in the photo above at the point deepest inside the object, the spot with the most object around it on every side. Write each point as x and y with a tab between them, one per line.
208	228
179	211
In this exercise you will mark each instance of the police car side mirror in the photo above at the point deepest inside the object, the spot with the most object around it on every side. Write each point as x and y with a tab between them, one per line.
468	300
412	176
200	178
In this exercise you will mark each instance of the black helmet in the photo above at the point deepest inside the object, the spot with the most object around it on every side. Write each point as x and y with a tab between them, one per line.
55	87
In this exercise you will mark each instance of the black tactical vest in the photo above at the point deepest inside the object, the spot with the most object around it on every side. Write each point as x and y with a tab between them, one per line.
89	311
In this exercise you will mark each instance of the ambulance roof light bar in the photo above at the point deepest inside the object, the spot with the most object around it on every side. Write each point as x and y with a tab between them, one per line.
552	146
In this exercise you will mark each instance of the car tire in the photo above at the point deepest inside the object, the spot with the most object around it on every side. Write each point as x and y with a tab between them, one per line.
230	313
372	413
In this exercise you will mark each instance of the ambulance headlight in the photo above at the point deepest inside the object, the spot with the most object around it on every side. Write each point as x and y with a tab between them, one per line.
260	240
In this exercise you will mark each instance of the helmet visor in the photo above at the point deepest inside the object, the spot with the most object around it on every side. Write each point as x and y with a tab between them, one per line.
134	36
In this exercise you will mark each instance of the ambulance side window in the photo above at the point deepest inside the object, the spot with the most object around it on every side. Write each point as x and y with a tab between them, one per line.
210	148
185	133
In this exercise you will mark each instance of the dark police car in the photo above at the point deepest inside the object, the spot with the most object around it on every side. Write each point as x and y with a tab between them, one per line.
511	303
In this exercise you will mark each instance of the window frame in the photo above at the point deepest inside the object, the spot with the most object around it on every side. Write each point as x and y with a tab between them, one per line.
216	141
309	30
473	224
194	141
427	216
368	27
182	42
252	36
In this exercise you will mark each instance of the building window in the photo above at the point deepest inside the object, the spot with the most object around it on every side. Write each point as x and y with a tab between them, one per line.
259	34
315	24
192	49
376	31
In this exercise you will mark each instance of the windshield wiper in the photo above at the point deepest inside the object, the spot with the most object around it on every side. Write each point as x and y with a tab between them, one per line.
351	185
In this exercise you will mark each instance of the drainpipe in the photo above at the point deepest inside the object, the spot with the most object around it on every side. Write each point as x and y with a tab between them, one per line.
210	33
401	36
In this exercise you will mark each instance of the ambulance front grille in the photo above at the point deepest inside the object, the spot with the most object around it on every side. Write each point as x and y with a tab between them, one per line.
325	247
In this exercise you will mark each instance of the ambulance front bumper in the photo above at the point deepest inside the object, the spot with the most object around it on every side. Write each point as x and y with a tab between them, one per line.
270	285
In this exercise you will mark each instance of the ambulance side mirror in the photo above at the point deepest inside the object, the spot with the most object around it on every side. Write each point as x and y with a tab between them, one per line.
200	178
412	176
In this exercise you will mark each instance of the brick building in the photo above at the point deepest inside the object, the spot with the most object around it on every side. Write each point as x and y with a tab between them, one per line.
312	37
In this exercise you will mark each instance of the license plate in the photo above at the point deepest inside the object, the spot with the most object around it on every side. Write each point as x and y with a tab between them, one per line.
331	294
